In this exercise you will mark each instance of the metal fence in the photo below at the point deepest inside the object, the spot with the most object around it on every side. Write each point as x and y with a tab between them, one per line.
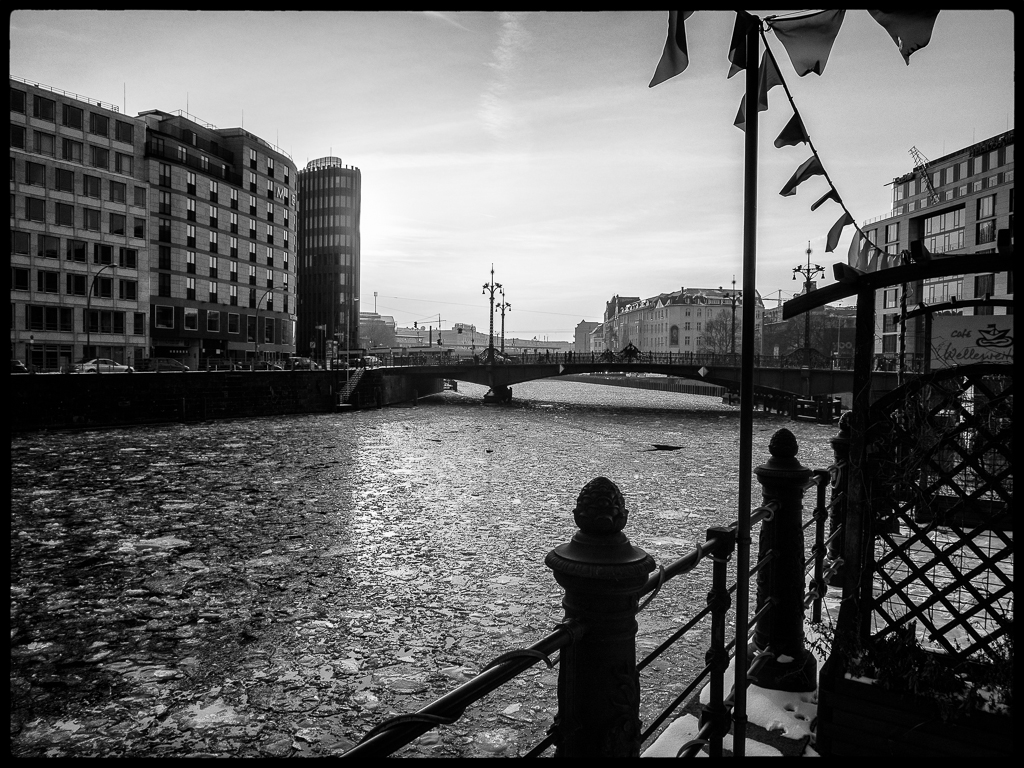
605	578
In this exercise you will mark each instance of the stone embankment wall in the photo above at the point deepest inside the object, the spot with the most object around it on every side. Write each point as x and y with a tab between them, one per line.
660	383
57	401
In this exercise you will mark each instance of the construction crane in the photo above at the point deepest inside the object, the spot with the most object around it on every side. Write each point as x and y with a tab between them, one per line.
920	161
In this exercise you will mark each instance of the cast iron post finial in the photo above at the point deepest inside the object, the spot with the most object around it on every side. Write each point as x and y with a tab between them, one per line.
602	575
781	580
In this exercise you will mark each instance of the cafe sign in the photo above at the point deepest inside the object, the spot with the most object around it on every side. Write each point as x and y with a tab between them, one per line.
962	340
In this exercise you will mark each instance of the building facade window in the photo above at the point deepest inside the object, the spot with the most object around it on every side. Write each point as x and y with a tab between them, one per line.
124	131
35	174
944	232
99	157
64	214
45	143
164	317
44	108
35	209
118	223
99	124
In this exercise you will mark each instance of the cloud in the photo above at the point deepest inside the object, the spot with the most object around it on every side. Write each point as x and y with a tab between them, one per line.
499	116
445	18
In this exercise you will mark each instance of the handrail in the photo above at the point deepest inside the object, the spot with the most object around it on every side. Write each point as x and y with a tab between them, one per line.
399	731
689	561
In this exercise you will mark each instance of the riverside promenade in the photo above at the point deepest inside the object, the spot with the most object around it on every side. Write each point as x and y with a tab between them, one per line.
278	586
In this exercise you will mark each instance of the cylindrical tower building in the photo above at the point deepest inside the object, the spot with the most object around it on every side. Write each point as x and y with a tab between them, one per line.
328	254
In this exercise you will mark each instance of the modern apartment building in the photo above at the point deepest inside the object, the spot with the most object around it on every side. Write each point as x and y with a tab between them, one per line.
79	231
329	195
956	204
222	242
699	320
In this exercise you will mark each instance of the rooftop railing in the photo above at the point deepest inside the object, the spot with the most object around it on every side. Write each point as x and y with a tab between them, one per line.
69	94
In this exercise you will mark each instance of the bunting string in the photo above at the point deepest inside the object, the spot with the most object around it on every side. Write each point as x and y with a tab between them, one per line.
820	166
808	39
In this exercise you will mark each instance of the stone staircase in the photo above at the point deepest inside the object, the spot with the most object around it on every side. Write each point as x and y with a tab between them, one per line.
354	377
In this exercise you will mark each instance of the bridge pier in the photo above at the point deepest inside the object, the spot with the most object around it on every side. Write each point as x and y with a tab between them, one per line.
498	394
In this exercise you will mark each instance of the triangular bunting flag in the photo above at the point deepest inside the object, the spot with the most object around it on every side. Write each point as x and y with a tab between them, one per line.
857	255
738	46
810	168
808	39
853	255
879	259
793	133
830	195
768	77
675	58
836	232
910	30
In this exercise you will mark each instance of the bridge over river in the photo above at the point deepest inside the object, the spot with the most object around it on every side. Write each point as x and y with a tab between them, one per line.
772	375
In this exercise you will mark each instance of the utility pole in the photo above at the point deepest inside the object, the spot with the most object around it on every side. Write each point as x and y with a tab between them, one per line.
504	306
491	287
809	272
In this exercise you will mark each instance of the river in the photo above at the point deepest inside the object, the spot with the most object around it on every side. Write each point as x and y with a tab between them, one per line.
278	586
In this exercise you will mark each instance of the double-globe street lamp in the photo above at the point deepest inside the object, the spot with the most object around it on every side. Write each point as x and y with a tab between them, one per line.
504	307
809	272
492	287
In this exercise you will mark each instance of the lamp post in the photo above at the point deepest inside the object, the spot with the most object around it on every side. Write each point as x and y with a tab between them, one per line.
88	312
504	307
733	298
809	272
491	287
256	330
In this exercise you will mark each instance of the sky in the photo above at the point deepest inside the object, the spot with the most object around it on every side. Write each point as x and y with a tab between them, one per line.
532	143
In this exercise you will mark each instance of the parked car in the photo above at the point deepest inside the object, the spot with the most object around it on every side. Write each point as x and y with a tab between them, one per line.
266	365
303	364
102	365
18	367
162	364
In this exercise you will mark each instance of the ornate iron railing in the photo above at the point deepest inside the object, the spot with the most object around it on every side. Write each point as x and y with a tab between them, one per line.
605	578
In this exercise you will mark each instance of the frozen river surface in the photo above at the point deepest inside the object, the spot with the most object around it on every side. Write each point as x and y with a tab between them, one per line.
279	586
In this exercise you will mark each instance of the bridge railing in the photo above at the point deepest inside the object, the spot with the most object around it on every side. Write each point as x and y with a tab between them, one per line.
604	578
912	363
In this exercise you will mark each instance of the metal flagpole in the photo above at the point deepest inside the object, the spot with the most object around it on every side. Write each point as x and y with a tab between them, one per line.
746	383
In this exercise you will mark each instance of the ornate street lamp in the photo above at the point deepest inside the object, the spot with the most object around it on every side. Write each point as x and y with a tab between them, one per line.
809	272
504	307
492	287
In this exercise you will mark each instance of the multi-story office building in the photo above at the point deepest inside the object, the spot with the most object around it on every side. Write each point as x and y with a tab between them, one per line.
222	242
954	205
79	232
329	195
688	320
